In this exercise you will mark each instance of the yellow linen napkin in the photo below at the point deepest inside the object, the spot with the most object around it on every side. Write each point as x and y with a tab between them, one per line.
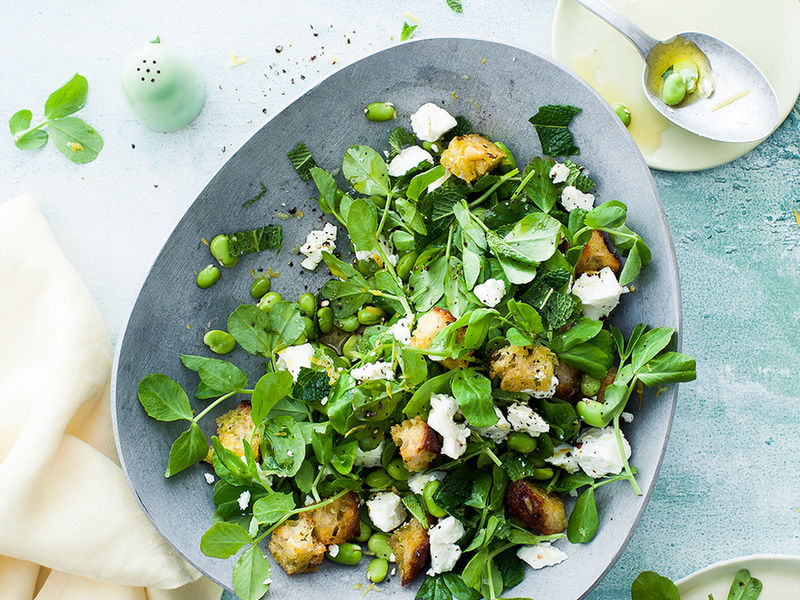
70	527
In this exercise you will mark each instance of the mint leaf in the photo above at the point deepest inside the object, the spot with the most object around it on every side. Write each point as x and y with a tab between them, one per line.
67	99
312	386
20	121
407	31
455	5
302	160
269	237
258	196
577	179
400	137
551	124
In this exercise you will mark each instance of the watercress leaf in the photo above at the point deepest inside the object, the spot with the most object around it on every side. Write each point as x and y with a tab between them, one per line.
583	521
473	571
251	573
398	138
271	388
433	588
634	261
436	209
304	478
552	122
204	392
501	249
283	446
366	171
271	509
346	297
454	492
414	366
420	401
511	566
340	406
416	506
75	139
516	271
67	99
286	320
457	587
293	408
420	182
322	443
362	224
222	376
526	317
405	33
616	396
590	357
343	457
328	190
649	585
250	327
302	160
426	284
481	486
517	338
33	140
190	447
535	237
473	392
518	466
410	215
650	344
572	481
499	485
669	367
561	416
163	398
192	362
744	587
20	121
269	237
473	263
540	188
223	540
611	214
582	331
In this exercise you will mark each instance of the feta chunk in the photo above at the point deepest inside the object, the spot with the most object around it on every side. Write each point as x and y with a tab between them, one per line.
408	159
523	418
490	292
445	551
438	183
318	241
572	198
417	482
386	511
244	500
454	435
402	330
497	432
564	457
549	392
559	173
430	122
294	358
598	454
333	550
541	555
209	478
372	371
369	458
599	293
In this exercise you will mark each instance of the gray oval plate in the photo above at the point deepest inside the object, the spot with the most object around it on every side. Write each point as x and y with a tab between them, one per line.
497	87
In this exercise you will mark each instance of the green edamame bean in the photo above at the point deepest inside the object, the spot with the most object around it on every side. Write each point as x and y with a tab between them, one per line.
310	328
259	287
623	112
432	147
485	462
397	470
220	249
519	441
674	89
427	494
508	162
370	315
378	545
378	480
378	569
365	532
219	342
348	324
379	201
371	441
325	319
402	240
308	304
591	412
366	266
268	300
380	111
345	554
688	70
350	347
542	474
406	264
589	385
208	277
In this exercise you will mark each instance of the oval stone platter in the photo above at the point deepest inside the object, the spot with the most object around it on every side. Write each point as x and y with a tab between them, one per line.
497	87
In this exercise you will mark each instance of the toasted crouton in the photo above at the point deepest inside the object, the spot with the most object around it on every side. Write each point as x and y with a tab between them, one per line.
337	522
428	325
606	381
233	427
471	156
295	548
411	548
569	381
596	255
538	509
418	443
527	369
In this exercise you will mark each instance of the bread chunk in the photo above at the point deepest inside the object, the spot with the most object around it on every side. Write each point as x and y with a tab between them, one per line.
470	157
538	509
295	548
428	325
528	369
337	522
418	443
411	548
596	255
233	427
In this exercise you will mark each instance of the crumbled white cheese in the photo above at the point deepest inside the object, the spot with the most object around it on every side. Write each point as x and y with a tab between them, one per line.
387	248
597	452
559	173
549	392
294	358
564	457
430	122
523	418
244	500
599	293
497	432
267	581
289	453
402	329
438	182
490	292
324	401
417	482
318	241
454	435
209	478
627	417
394	571
372	371
369	458
333	550
252	529
443	541
408	159
572	198
541	555
308	501
386	511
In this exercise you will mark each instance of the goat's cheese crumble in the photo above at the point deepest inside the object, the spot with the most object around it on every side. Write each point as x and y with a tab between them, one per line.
541	555
369	458
490	292
244	500
417	482
372	371
497	432
431	122
445	551
408	159
572	198
599	292
402	330
454	435
523	418
597	452
559	173
386	511
317	242
294	358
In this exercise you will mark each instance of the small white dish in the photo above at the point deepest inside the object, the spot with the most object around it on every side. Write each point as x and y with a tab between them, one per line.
780	575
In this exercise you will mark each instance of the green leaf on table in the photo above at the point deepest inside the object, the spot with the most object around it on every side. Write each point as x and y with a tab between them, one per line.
540	188
400	137
67	99
269	237
75	139
302	160
20	121
251	573
407	31
669	367
649	585
455	5
552	127
366	171
582	526
473	392
190	447
250	327
283	446
270	389
271	509
744	587
163	398
223	540
222	376
33	140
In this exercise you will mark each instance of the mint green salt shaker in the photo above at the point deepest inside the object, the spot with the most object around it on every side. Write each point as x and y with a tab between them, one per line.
163	89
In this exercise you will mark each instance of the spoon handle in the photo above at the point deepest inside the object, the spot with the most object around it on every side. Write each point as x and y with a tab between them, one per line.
643	42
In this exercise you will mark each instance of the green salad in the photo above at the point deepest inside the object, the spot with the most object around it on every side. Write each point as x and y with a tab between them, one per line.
427	413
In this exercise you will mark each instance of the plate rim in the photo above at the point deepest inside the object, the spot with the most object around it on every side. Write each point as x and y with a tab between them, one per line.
739	561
